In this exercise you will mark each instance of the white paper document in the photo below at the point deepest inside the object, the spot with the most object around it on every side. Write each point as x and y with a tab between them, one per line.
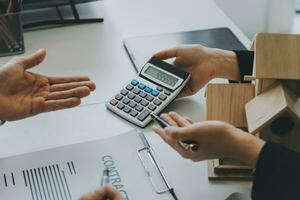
66	173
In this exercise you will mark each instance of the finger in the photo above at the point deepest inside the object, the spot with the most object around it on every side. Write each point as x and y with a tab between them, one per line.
161	132
52	105
108	192
56	80
166	54
180	133
184	93
189	120
168	119
181	121
89	197
186	153
173	143
68	86
79	92
33	59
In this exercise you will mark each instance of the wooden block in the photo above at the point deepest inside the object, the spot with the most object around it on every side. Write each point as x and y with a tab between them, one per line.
290	139
270	105
293	85
262	84
277	56
252	47
218	171
226	102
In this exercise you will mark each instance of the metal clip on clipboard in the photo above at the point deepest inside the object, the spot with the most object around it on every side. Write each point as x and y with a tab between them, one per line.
152	168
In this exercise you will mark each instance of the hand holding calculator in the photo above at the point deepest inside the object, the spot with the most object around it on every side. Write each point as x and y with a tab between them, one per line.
154	87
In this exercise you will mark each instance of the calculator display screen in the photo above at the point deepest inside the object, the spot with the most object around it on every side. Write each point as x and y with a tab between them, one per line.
161	76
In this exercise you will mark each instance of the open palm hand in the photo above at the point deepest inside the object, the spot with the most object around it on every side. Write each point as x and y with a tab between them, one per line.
24	94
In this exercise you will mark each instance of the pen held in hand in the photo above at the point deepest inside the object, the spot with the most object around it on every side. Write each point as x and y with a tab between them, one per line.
105	177
188	145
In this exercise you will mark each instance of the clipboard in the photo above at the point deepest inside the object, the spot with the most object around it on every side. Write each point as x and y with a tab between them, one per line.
67	173
141	48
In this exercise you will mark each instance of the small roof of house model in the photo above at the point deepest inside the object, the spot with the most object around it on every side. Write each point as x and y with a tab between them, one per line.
226	102
276	101
277	56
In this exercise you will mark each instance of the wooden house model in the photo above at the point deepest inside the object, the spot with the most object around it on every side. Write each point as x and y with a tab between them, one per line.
274	112
268	108
226	102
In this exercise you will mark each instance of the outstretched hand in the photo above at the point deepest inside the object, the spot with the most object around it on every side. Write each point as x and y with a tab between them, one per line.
24	94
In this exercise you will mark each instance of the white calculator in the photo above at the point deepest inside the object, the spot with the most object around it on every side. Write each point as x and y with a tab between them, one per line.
154	87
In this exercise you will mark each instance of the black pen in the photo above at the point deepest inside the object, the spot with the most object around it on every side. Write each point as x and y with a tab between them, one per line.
188	144
105	178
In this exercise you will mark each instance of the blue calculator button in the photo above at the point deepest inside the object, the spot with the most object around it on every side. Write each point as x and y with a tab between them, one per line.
134	82
141	86
155	93
147	89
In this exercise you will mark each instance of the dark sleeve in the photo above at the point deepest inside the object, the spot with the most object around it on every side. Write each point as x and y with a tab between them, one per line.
245	62
277	174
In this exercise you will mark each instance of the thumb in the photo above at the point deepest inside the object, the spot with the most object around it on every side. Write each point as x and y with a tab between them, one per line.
33	59
108	192
166	54
104	193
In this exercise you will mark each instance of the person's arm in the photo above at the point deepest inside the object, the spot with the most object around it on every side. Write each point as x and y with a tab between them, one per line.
215	139
245	61
277	174
205	64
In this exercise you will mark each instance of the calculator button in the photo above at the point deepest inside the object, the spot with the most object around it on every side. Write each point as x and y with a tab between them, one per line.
125	101
144	115
155	93
136	91
143	94
124	92
129	87
157	102
137	99
120	106
167	92
139	108
148	89
133	113
126	109
152	107
131	96
141	86
119	97
159	88
132	104
149	98
113	102
134	82
144	103
162	97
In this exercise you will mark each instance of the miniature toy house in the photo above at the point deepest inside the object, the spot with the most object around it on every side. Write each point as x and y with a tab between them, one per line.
269	107
275	111
226	102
